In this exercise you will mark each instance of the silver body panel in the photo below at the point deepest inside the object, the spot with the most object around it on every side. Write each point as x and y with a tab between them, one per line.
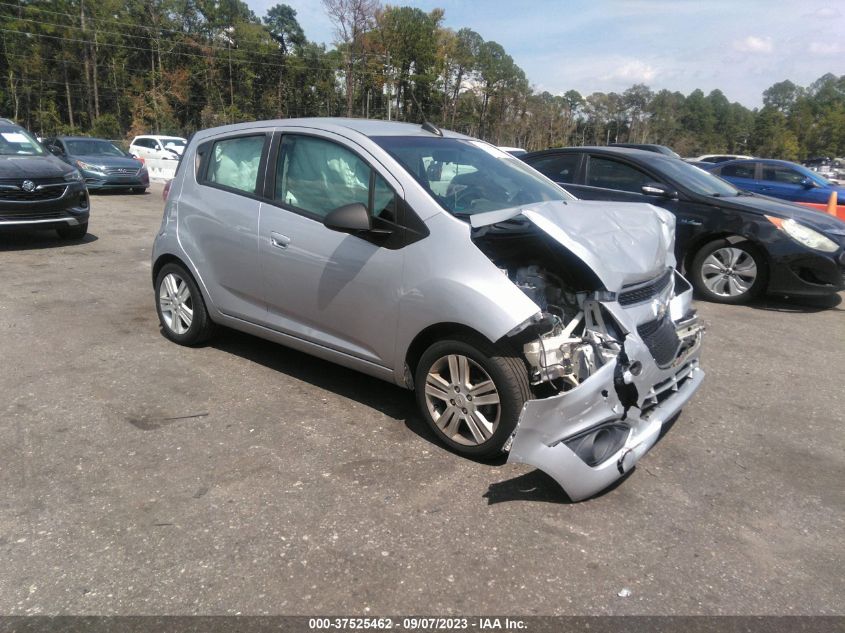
285	277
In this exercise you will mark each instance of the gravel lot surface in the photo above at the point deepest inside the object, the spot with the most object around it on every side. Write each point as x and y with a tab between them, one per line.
140	477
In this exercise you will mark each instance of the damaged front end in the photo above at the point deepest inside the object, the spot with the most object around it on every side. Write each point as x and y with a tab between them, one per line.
608	367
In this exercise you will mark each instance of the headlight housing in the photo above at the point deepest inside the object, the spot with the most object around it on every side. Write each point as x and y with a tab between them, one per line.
73	176
88	167
804	235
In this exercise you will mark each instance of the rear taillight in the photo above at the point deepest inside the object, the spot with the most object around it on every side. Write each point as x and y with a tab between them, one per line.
166	191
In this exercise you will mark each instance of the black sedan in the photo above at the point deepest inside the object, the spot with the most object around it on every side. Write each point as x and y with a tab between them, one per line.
101	162
732	244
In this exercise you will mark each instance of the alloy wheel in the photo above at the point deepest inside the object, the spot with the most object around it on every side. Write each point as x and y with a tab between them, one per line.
729	271
462	400
176	303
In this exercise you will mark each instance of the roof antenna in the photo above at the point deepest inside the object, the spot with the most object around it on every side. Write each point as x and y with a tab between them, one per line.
428	126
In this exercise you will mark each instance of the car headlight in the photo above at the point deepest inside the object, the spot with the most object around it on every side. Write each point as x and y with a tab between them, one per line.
88	167
804	235
73	176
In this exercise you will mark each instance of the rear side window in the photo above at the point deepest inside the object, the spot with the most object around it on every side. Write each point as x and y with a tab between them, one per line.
234	163
319	176
738	171
611	174
560	168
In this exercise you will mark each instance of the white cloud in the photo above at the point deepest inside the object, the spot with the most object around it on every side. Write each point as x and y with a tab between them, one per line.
825	48
827	12
634	71
754	44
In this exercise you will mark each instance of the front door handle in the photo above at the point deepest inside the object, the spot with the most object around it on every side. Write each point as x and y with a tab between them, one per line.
278	240
689	222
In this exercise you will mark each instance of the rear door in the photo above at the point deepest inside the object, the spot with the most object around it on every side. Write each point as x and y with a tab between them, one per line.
218	220
334	289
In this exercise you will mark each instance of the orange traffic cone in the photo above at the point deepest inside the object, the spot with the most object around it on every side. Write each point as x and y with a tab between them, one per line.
831	204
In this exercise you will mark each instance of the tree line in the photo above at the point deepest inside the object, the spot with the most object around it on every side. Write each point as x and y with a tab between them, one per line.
116	68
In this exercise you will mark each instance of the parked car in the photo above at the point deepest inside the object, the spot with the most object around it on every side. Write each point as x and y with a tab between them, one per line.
37	190
648	147
715	158
102	163
733	245
514	151
829	168
779	179
523	318
160	154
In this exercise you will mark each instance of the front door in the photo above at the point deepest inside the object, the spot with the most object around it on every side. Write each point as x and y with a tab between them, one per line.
334	289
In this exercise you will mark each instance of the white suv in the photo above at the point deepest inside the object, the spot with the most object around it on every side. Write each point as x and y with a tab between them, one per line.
160	154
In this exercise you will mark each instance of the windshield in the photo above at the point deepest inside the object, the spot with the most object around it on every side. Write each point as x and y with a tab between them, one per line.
697	180
467	176
15	141
92	148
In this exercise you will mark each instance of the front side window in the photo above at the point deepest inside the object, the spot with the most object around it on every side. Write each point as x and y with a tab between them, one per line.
318	176
611	174
466	176
15	141
783	175
234	162
560	168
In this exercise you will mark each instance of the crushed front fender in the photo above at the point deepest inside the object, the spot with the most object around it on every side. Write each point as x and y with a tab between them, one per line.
545	424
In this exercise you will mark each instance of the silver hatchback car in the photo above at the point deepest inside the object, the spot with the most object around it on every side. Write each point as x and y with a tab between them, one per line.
525	320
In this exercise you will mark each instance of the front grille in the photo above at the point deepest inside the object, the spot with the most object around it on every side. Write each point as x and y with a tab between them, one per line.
19	195
661	339
121	171
646	291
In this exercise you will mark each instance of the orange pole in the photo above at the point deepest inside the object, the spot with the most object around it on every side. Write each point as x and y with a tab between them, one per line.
831	204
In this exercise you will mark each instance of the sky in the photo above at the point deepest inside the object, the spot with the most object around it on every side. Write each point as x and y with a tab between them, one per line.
738	46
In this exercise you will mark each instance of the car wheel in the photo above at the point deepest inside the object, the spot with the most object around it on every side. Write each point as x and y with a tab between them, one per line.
471	394
727	272
180	306
139	190
73	232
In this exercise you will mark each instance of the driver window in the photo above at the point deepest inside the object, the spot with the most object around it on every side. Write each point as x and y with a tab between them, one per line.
318	176
782	175
610	174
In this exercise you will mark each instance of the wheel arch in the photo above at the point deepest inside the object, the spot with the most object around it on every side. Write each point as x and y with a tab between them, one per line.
700	241
427	337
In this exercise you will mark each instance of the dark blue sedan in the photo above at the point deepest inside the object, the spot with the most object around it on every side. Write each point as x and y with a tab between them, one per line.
102	164
778	179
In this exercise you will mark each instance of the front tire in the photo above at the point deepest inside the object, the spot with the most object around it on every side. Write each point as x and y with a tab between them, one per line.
73	232
726	272
181	310
471	394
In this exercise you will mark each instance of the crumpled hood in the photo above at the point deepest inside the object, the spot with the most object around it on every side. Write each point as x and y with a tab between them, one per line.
622	242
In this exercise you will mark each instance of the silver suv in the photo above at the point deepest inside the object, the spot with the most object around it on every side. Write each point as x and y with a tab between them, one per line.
525	320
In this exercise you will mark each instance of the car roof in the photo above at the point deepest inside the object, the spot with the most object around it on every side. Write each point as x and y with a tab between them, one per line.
366	127
605	149
79	138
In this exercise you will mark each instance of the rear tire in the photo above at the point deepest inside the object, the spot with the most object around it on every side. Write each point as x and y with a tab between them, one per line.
181	309
73	232
729	272
139	190
471	393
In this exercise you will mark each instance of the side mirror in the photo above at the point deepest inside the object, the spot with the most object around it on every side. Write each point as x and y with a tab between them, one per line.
657	189
807	183
55	150
349	218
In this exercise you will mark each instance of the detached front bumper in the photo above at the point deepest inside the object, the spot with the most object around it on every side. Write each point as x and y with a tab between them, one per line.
622	411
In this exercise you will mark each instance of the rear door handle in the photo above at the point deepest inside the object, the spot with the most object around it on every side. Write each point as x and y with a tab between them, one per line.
278	240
